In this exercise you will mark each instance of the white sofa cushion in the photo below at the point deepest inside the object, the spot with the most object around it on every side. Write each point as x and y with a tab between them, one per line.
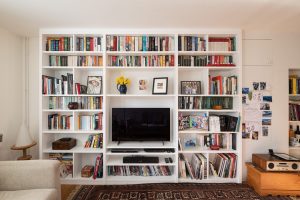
33	194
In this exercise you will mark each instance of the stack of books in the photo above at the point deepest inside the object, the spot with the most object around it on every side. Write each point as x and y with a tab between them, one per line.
196	168
223	85
224	165
59	44
88	44
98	168
89	61
94	141
139	43
89	102
52	85
191	102
144	61
60	122
191	43
60	60
90	122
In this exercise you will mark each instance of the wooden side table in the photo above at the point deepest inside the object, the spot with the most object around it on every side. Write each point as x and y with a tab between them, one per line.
273	183
24	148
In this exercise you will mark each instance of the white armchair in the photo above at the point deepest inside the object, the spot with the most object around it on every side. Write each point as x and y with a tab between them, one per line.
30	180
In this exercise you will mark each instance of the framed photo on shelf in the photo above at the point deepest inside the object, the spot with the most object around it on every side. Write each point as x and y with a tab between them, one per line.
94	85
142	84
160	85
190	87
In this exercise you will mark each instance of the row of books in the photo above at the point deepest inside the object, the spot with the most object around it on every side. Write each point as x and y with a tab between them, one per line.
60	60
153	60
220	60
139	171
94	141
139	43
214	123
89	61
52	85
224	165
224	123
294	85
60	122
196	168
190	102
59	44
191	43
98	168
221	44
203	60
66	160
213	141
62	103
294	112
192	61
90	122
88	44
223	85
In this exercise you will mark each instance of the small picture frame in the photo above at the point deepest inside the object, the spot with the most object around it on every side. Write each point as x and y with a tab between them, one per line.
142	84
190	87
94	85
160	85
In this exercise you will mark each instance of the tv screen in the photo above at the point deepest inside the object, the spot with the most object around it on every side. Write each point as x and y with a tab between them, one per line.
140	124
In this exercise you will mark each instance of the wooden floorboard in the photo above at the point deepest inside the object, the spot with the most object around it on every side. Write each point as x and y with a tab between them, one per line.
66	190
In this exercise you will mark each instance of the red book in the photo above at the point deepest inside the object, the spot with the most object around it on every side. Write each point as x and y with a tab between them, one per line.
172	60
96	168
216	39
115	43
77	88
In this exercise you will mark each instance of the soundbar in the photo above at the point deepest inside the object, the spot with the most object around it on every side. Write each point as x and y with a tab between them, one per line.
140	159
124	150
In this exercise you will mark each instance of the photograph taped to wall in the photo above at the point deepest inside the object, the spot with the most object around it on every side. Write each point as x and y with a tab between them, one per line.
255	135
245	90
267	113
267	98
255	85
265	106
265	130
262	85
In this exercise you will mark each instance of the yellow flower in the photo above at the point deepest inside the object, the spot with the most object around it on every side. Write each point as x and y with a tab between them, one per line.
122	80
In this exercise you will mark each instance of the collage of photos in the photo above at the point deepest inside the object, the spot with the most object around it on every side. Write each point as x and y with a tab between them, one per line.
257	104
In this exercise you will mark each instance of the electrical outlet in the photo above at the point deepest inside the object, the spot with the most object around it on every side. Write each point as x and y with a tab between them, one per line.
1	137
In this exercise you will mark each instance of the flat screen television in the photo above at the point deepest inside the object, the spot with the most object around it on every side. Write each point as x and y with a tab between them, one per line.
140	124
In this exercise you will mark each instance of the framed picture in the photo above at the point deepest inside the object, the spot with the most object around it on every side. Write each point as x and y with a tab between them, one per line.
190	87
94	85
142	85
160	85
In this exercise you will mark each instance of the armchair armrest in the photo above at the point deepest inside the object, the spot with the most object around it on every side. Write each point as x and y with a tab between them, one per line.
31	174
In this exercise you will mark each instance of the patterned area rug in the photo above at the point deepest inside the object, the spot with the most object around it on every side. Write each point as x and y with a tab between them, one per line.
182	191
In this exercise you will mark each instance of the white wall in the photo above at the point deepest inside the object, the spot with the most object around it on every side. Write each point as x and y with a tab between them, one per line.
11	91
285	48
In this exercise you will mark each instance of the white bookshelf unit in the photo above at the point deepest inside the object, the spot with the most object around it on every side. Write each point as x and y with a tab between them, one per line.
175	71
294	100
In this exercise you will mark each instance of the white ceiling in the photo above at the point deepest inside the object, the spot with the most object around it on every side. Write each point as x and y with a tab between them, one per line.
25	17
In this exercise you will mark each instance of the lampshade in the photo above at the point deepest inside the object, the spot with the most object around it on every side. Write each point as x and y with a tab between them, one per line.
24	138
